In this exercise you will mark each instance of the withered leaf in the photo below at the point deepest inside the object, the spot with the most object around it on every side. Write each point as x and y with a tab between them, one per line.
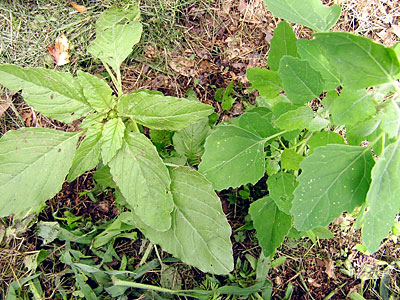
59	52
80	8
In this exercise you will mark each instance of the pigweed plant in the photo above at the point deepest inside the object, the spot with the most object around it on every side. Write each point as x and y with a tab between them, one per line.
335	82
313	89
173	206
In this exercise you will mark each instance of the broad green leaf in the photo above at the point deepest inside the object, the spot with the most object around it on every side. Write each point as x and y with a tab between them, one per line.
281	187
334	179
361	62
279	109
55	94
96	91
329	99
310	13
360	132
391	119
301	82
117	16
271	224
34	163
299	118
283	43
272	167
144	181
324	138
262	101
92	119
290	159
104	177
352	106
88	154
258	121
113	44
310	51
317	124
200	233
161	139
383	197
233	156
282	107
162	112
190	141
266	82
111	138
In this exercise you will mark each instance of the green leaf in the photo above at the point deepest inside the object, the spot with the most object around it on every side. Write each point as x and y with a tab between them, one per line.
301	82
33	163
267	82
324	138
361	131
310	51
352	106
361	62
233	156
334	179
55	94
283	43
310	13
258	121
92	119
319	232
271	224
290	159
114	16
299	118
88	154
282	107
228	97
391	119
383	197
317	124
144	181
96	91
200	233
281	187
104	177
162	112
114	41
190	141
111	138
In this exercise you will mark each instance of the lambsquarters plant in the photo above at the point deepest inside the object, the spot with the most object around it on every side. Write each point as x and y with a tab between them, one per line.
318	174
174	207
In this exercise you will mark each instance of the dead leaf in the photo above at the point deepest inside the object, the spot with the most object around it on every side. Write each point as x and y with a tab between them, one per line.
59	52
183	65
79	8
330	269
4	105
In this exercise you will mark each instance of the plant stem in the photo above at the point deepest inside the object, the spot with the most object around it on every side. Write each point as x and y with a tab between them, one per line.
135	127
137	285
146	253
114	80
119	80
274	136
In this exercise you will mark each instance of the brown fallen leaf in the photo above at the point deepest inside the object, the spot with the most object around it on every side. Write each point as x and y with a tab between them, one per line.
80	8
4	105
59	52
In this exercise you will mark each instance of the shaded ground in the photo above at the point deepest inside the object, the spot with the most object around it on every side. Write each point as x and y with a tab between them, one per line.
203	46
